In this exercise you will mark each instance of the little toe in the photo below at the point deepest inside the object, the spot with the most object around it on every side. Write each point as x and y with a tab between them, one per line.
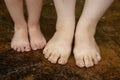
54	57
18	49
42	45
47	54
98	57
12	46
95	60
45	51
15	48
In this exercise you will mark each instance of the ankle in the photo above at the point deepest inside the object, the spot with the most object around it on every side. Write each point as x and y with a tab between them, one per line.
20	26
85	22
31	23
33	26
65	25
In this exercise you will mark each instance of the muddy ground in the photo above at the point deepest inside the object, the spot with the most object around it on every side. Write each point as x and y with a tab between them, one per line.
33	65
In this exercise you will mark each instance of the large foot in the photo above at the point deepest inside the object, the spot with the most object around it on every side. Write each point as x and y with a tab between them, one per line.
20	40
86	51
37	39
59	47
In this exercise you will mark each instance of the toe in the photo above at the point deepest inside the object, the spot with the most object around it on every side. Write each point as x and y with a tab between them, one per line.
38	46
34	47
15	48
27	48
23	48
79	61
88	61
45	50
63	59
12	46
98	57
95	60
54	57
47	54
42	45
18	49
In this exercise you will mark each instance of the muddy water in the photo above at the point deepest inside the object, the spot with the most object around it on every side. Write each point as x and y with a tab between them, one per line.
33	65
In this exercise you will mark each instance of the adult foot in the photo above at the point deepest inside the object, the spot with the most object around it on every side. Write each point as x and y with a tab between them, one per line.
86	51
37	40
59	47
20	40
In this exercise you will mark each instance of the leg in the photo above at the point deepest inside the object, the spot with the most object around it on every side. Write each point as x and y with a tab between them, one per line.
37	39
20	40
86	51
59	47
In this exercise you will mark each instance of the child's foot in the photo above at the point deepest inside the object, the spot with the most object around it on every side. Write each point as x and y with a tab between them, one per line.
59	47
20	40
37	39
86	51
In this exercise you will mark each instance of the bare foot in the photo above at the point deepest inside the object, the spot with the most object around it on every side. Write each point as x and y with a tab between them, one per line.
37	39
86	51
20	40
59	47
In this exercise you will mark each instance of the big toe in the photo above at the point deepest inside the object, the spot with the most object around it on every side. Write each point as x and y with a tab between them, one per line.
27	48
34	46
79	61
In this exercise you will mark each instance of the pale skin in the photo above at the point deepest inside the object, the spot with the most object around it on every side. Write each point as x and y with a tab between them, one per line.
86	51
21	42
59	47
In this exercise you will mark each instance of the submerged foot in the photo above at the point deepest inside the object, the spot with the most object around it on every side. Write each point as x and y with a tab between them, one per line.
37	39
86	51
20	40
